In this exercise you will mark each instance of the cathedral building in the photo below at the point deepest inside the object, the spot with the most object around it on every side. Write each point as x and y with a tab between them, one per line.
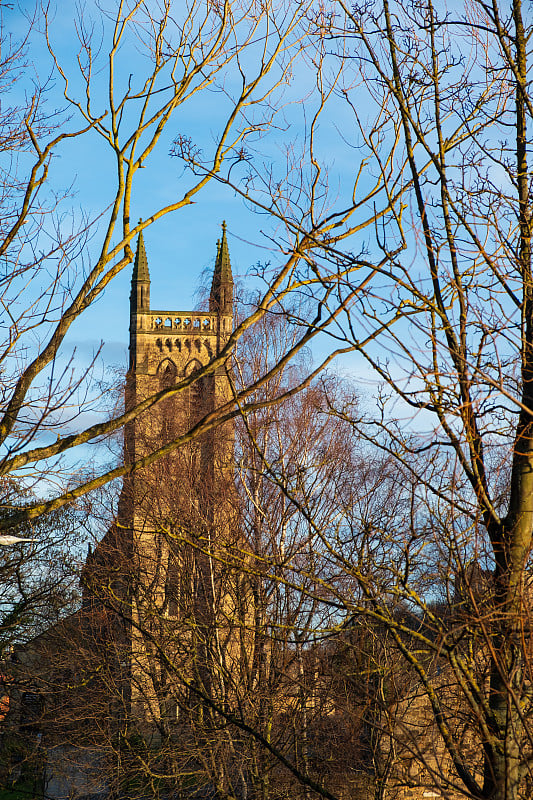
127	686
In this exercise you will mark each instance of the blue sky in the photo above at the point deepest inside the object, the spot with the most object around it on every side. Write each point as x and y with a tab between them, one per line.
179	247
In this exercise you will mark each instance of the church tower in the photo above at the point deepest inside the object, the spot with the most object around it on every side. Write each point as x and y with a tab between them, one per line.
159	568
168	345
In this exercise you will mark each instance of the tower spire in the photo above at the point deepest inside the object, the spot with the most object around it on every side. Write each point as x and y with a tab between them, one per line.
140	279
221	297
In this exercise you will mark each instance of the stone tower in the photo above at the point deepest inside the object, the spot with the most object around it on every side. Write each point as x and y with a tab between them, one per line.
166	346
159	567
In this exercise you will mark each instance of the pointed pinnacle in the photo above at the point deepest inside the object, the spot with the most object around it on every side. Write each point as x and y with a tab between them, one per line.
223	266
140	267
221	297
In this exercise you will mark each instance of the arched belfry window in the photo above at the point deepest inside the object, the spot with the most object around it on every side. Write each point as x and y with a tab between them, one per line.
196	390
167	372
192	366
